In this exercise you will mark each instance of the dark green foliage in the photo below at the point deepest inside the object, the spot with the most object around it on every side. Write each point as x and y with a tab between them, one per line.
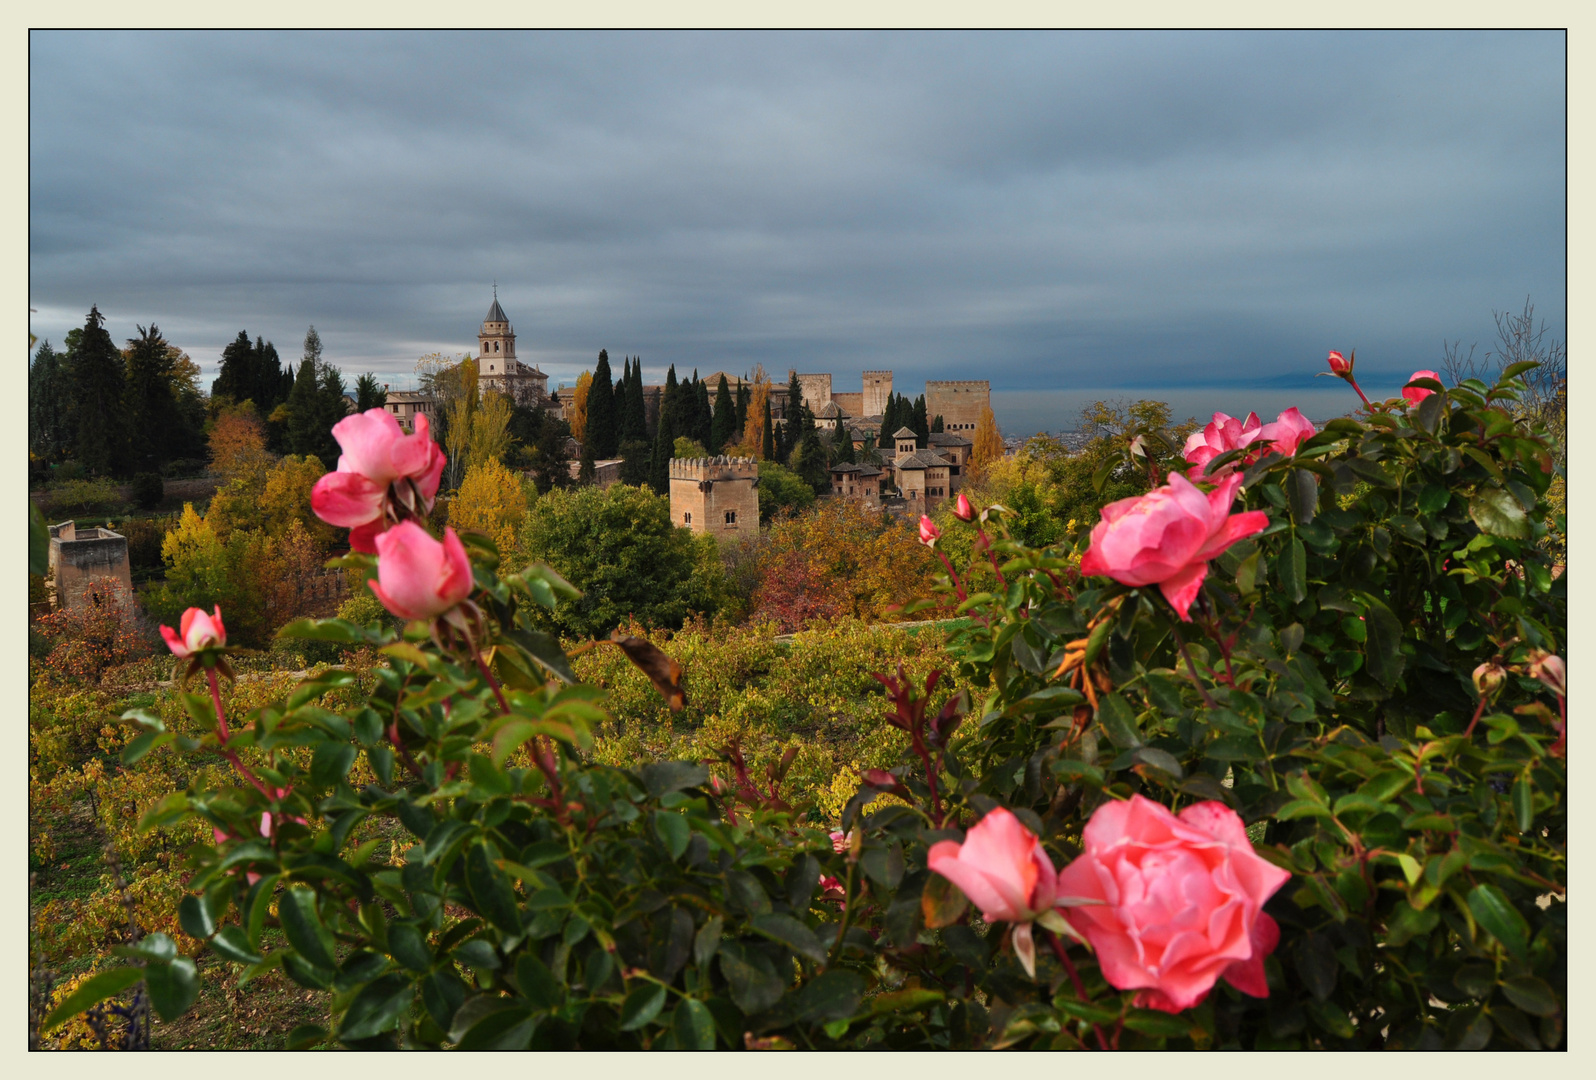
255	372
917	421
703	423
936	425
603	433
315	404
841	443
49	404
540	447
723	428
782	492
637	412
744	396
98	383
155	422
624	428
147	490
809	462
768	451
369	393
636	462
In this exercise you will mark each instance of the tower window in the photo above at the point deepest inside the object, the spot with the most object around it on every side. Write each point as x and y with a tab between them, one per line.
731	517
495	346
687	518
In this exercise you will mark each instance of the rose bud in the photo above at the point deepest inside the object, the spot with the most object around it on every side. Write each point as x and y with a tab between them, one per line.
1488	679
417	577
962	508
1549	670
1340	365
1416	394
196	631
929	533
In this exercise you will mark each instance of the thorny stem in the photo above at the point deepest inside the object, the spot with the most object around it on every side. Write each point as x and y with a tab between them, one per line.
958	586
1191	667
221	730
991	558
1354	384
1075	979
1479	711
492	682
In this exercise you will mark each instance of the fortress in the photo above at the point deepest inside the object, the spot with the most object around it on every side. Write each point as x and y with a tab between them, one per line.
958	401
715	495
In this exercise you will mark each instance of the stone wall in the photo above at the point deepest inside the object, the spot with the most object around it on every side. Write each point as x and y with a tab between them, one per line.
877	388
78	556
816	390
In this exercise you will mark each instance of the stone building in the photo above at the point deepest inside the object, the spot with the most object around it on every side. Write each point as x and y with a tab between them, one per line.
959	402
716	495
498	369
403	405
853	481
78	556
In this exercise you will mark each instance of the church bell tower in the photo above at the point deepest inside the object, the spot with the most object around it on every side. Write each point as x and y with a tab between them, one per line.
496	341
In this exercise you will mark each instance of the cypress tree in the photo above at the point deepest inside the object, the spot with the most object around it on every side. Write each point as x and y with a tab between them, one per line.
623	415
269	391
841	442
154	423
937	427
922	429
331	407
602	431
98	381
634	401
744	396
701	412
725	416
665	436
768	451
304	412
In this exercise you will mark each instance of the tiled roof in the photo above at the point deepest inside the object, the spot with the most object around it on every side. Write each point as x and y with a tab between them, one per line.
921	459
904	433
948	438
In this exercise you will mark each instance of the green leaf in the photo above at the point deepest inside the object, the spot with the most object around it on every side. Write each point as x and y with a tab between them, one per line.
942	903
1118	721
104	985
906	1001
753	981
1498	513
642	1005
1496	913
673	831
1302	490
1532	995
693	1025
305	1036
232	943
144	743
661	777
834	995
1158	759
173	986
538	984
546	652
492	893
1159	1025
707	941
791	933
1523	803
331	762
1052	697
377	1007
195	918
302	924
1383	649
1291	570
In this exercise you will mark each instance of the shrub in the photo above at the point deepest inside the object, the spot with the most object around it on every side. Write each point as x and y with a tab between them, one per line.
1365	683
71	498
100	633
147	490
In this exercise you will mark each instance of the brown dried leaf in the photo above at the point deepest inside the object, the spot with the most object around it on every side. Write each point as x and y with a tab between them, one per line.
662	671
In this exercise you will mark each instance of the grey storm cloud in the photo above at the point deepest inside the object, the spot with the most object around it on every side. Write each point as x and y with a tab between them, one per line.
1144	214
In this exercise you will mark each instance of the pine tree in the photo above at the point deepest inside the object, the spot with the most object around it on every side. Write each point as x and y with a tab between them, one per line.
922	428
809	462
98	381
49	404
303	411
768	451
369	393
723	424
236	379
602	433
154	424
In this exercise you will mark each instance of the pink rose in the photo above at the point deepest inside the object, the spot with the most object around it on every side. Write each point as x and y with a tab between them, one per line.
840	841
1000	866
196	631
962	509
376	452
1289	431
1340	365
417	577
1181	901
1416	394
1222	435
1167	536
929	533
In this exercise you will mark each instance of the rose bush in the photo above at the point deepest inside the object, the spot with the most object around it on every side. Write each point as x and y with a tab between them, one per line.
1247	728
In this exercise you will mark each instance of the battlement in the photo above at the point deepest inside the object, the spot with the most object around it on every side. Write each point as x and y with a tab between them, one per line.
714	468
972	385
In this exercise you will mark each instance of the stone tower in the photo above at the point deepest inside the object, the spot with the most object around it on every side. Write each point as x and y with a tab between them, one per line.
717	495
877	388
496	340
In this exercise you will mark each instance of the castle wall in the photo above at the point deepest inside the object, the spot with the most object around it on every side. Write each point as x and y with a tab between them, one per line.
851	404
816	390
959	402
705	492
877	388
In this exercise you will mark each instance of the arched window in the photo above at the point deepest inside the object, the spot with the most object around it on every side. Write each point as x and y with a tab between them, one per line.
495	346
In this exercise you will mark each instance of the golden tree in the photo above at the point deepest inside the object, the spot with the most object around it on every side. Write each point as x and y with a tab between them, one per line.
457	418
754	428
286	499
490	429
578	411
238	445
491	500
988	444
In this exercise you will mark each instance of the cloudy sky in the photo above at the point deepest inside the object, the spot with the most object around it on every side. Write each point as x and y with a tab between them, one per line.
1197	217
